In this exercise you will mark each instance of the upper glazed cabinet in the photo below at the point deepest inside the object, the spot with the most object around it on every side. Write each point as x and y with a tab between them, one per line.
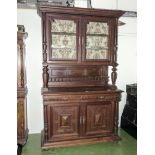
78	45
82	39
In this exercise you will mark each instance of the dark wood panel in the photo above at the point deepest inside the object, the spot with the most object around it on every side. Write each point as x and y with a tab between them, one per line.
76	76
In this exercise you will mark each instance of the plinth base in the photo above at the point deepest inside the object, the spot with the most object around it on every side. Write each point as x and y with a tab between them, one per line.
80	141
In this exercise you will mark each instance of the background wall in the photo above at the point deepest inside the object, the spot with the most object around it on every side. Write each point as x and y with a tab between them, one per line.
32	22
127	56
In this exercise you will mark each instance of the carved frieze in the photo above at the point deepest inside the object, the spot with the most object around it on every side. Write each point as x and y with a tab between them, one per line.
83	78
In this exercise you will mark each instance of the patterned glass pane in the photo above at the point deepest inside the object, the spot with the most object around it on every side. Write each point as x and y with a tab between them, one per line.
97	28
63	39
67	26
97	40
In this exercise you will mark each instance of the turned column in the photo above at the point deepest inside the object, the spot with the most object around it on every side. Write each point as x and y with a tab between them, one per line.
114	63
45	74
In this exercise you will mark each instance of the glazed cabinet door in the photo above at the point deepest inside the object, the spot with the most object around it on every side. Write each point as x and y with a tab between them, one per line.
97	40
99	119
63	39
63	122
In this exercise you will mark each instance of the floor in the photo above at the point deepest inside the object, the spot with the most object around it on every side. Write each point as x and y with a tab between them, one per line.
127	146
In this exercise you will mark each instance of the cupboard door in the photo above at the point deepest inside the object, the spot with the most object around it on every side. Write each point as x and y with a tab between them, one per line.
97	40
63	38
99	118
64	122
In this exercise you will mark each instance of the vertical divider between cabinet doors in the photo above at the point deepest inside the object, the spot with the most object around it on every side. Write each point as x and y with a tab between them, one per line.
79	34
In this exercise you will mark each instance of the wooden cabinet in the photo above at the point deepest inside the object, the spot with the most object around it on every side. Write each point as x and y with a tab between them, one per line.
79	45
22	129
80	115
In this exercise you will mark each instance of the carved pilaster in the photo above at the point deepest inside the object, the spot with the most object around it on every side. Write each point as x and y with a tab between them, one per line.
116	119
45	124
22	64
22	130
20	74
45	76
21	35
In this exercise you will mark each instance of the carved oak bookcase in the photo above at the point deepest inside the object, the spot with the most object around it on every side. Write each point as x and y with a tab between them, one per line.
79	45
22	129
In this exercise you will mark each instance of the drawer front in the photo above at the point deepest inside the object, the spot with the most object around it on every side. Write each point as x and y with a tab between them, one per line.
80	97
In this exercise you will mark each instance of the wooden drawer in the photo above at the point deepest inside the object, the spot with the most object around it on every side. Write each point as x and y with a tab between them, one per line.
80	97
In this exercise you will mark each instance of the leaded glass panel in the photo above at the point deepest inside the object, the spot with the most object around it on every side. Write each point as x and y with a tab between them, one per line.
63	39
97	40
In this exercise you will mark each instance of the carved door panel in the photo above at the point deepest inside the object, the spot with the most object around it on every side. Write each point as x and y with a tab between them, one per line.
65	122
99	118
